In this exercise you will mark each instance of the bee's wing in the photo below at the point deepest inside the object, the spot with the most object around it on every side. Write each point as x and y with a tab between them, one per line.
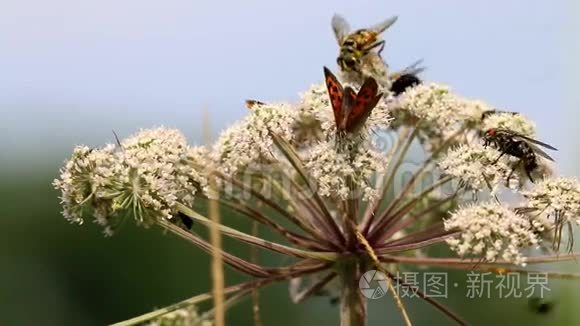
382	26
413	69
340	27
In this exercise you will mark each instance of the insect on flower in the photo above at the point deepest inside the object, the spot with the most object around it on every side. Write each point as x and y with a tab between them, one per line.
252	104
519	146
351	109
403	82
488	113
355	45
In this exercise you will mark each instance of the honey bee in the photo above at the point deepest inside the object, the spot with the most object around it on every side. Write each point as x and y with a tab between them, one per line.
355	45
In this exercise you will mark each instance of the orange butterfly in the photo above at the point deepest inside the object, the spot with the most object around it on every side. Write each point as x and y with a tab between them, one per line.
351	110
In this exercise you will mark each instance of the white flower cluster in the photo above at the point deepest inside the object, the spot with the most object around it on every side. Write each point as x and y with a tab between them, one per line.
181	317
477	166
249	141
437	105
151	172
556	197
492	230
436	111
88	178
511	121
332	168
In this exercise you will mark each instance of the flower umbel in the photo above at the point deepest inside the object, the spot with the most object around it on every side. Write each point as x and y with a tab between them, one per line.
145	177
491	230
309	173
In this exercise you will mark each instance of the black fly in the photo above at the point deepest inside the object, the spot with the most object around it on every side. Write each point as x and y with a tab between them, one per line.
519	146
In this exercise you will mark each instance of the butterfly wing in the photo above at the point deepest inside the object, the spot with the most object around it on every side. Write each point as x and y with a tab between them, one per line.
335	93
366	99
340	27
348	103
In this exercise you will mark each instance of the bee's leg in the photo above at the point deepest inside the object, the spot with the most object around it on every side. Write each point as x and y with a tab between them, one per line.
380	44
381	48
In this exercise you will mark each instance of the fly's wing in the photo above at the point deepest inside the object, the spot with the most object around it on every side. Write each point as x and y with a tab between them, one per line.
366	99
335	93
537	142
413	69
540	152
382	26
534	144
340	27
349	100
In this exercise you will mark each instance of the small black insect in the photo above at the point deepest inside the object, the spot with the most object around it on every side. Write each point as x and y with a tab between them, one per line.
486	114
541	306
186	220
519	146
405	81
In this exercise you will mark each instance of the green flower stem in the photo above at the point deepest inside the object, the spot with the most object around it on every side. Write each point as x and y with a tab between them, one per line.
378	233
326	256
294	159
370	214
353	307
258	217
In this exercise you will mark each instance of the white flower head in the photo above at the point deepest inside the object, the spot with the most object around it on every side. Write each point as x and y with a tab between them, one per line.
436	111
492	231
152	158
146	178
250	142
557	197
433	103
87	179
477	166
332	168
511	121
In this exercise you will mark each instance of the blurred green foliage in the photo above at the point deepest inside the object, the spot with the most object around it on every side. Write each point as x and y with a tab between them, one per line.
54	273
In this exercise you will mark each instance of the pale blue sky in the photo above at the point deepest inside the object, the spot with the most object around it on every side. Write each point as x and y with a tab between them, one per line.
70	70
